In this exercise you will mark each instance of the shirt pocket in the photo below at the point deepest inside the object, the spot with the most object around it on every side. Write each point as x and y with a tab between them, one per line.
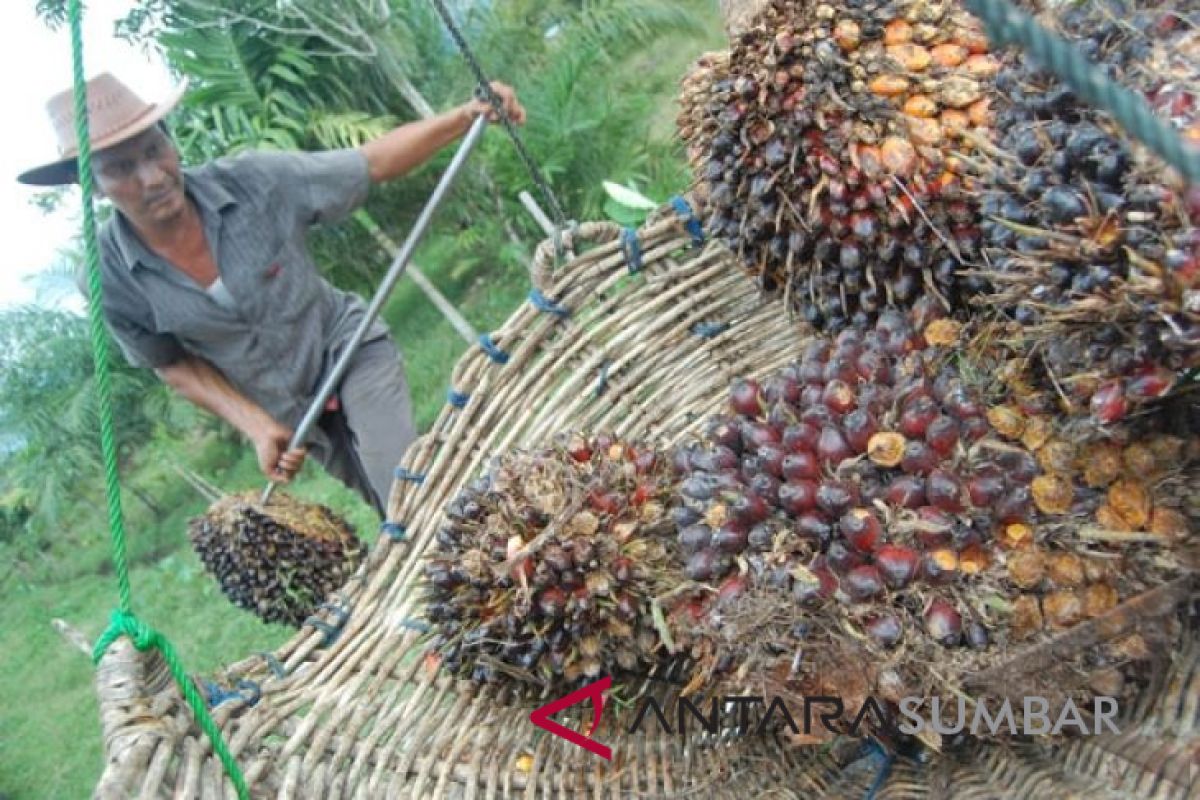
288	288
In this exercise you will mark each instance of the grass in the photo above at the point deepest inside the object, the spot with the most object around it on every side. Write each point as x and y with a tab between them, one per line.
50	742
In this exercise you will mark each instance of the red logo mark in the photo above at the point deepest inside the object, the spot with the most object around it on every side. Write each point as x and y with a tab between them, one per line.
273	270
594	690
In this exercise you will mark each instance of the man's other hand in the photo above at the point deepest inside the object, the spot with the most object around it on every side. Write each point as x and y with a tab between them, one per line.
277	462
508	98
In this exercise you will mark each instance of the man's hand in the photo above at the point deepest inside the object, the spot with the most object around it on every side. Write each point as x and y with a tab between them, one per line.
508	98
277	462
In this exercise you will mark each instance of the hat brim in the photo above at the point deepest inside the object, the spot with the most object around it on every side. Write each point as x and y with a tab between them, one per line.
64	171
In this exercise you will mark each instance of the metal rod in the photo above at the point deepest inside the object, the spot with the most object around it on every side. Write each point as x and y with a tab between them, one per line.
399	264
539	216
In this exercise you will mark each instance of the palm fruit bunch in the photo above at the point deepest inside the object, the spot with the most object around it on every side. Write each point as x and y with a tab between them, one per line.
545	568
1092	242
825	144
864	470
279	562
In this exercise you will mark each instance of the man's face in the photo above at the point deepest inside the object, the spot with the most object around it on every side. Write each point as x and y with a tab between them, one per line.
142	177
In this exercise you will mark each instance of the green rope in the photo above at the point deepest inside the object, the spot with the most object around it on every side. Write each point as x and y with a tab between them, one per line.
123	622
1006	25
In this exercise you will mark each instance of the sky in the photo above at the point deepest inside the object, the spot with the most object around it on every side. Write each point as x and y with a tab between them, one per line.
35	63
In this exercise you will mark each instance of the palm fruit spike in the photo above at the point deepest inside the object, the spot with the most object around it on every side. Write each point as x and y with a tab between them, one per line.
279	565
1092	243
544	568
824	142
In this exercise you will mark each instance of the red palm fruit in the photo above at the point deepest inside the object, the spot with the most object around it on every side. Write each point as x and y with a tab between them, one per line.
939	566
906	491
862	529
681	458
622	569
759	434
1014	506
943	623
643	493
942	434
873	367
761	537
797	497
800	466
604	502
863	583
782	387
771	458
746	398
838	396
1108	403
1149	383
625	606
726	432
695	537
897	564
749	509
817	350
818	415
644	461
858	427
819	584
1018	466
842	559
977	636
521	570
918	458
781	415
731	589
731	538
943	491
812	394
915	388
801	438
875	397
917	416
972	429
984	488
832	447
551	601
812	527
812	373
701	565
835	498
961	405
842	369
885	629
579	449
765	486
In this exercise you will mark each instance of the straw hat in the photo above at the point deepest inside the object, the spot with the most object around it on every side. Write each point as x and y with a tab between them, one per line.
115	114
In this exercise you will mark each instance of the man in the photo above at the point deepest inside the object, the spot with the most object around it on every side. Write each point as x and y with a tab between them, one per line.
207	279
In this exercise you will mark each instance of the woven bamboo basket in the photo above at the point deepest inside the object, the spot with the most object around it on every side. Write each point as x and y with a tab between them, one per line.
639	336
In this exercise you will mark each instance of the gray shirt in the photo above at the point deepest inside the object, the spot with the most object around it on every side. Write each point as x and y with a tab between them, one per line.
274	324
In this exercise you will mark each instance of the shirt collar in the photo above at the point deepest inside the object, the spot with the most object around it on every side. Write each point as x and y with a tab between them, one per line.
210	196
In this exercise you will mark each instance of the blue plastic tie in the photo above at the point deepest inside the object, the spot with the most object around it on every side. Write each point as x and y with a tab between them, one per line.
632	249
886	760
332	631
394	530
457	399
494	352
602	381
412	477
689	219
543	303
217	695
274	664
709	329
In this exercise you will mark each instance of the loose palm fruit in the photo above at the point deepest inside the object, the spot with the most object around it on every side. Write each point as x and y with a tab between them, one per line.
1052	494
1130	500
